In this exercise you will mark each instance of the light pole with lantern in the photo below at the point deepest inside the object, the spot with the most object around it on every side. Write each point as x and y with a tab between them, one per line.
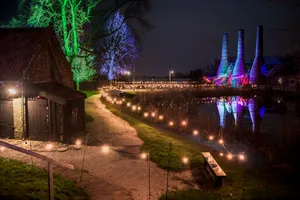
170	75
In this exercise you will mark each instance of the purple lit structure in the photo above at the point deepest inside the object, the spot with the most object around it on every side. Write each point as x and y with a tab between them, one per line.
223	67
239	66
237	77
254	114
237	109
222	112
256	76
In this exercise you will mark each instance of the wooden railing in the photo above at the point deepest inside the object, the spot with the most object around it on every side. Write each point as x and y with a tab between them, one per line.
50	161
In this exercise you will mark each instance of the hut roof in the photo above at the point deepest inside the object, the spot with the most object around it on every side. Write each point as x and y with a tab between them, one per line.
17	48
53	91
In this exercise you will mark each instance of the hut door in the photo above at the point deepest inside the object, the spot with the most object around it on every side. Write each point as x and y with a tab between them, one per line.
37	120
6	119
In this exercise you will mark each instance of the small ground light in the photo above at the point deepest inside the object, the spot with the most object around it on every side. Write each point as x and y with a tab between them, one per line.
184	123
12	91
105	149
139	107
221	154
229	156
49	146
123	99
133	108
160	117
143	155
171	123
153	114
78	142
242	157
2	148
195	132
211	137
146	114
221	141
128	104
185	160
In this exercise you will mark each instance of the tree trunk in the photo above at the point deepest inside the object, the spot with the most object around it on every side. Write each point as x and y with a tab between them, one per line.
64	28
77	85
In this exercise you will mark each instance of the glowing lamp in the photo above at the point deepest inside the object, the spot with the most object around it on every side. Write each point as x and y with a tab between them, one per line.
160	117
49	146
195	132
171	123
144	156
185	160
78	142
12	91
128	104
2	148
229	156
242	157
146	114
184	123
153	114
221	141
211	137
139	107
105	149
133	108
221	154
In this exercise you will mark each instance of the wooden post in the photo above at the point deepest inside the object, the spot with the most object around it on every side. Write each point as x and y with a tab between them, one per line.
167	188
149	174
50	181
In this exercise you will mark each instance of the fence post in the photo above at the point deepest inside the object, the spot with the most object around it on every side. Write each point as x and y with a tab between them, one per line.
50	181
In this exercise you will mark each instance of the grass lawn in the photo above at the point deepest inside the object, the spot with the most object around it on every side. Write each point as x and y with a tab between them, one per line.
90	93
257	184
22	181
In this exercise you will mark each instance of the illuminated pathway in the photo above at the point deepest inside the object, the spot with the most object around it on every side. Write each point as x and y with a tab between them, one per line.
112	176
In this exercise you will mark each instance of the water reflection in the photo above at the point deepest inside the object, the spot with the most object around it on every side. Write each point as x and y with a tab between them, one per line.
236	106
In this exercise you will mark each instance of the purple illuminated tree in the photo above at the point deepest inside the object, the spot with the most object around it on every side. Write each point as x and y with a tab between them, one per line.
120	47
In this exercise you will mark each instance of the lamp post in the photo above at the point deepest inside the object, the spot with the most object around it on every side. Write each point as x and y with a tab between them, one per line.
170	75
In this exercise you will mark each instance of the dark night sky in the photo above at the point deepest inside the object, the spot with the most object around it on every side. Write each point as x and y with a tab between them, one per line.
188	33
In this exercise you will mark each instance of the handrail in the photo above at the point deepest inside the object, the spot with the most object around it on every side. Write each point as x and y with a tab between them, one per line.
40	156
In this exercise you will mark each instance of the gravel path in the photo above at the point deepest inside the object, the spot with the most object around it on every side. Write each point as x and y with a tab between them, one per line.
115	176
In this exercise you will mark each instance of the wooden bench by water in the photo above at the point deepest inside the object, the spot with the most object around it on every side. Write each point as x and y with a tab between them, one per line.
214	169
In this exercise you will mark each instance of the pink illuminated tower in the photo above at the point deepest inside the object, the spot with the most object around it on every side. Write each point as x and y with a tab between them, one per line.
223	67
256	76
239	66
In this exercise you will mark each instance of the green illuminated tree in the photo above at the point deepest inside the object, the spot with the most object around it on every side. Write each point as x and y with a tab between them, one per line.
68	18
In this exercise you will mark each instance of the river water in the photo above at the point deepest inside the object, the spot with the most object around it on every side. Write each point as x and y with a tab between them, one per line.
265	130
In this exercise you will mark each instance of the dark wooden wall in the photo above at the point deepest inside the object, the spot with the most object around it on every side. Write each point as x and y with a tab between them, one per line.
74	123
38	119
6	119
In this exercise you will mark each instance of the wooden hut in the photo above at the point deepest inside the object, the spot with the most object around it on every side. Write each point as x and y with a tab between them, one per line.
37	96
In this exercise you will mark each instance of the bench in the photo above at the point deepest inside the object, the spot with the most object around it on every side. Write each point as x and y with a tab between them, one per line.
213	169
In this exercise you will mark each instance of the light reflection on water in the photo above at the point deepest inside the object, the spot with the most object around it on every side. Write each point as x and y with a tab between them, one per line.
252	124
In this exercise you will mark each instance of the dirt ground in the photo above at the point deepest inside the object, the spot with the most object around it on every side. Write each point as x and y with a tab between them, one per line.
112	176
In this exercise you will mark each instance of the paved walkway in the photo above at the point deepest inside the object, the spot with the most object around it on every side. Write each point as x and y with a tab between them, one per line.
115	176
